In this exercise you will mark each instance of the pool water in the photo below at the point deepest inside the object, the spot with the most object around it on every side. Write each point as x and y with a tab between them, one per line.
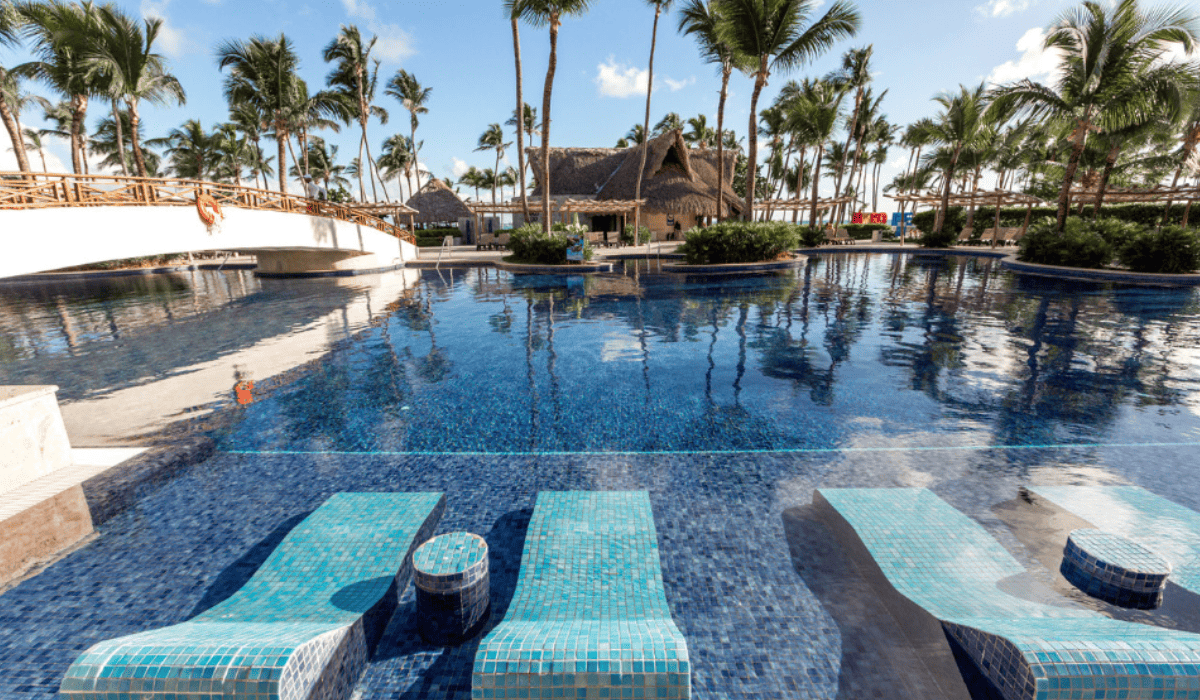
728	400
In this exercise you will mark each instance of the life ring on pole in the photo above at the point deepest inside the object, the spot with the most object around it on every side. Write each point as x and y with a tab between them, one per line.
208	209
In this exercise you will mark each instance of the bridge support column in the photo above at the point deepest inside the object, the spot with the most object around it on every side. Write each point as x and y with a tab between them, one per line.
319	263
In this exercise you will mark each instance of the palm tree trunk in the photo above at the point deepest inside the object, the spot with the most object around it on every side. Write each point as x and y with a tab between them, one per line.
1064	196
375	169
1109	164
816	182
116	111
974	188
78	117
281	137
15	135
496	176
637	188
760	80
549	87
362	188
947	183
304	149
520	119
726	71
139	158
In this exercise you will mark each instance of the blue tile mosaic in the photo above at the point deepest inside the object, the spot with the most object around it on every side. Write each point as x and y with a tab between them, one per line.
1114	569
589	618
302	628
946	563
453	587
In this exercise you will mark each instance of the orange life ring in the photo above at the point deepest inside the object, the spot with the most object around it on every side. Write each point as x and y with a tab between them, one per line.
208	209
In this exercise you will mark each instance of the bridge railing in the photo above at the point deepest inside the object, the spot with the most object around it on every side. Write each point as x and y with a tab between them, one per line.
45	191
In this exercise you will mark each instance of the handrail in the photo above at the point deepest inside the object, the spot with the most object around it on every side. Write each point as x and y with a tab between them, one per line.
48	190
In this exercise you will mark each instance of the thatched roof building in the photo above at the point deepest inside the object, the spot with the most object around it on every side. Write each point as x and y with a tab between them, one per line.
436	203
677	180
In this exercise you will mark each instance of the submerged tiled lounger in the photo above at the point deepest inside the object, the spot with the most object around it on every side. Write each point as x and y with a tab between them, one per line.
302	627
947	564
1164	527
589	617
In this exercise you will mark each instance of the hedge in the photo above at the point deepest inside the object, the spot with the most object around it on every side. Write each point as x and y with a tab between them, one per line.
739	242
985	217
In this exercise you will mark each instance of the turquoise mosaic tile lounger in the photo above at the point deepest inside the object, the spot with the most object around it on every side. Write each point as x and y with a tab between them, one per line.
947	564
302	628
1166	528
589	617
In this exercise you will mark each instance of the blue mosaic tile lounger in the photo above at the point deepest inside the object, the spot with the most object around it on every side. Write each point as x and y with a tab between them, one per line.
302	628
947	564
589	617
1166	528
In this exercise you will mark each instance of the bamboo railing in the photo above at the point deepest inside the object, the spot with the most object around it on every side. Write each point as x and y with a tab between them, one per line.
44	191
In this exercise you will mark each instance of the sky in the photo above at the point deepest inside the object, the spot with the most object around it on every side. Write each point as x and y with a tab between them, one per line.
463	50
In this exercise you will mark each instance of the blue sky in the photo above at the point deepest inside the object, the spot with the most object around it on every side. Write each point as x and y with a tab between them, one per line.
463	50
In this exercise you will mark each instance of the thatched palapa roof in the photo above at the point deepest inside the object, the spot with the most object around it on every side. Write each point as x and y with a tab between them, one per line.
437	203
677	179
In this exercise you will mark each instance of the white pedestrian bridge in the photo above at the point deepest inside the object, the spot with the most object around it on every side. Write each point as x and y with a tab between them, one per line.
50	222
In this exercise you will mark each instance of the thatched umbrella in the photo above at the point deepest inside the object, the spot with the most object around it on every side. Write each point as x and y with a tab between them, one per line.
436	203
677	180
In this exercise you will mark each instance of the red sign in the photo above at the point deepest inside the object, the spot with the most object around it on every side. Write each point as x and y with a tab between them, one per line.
879	218
856	218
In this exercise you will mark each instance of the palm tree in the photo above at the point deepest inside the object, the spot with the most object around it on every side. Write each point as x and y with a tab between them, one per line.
1112	72
961	125
529	117
319	111
704	20
514	15
856	72
125	52
230	152
636	134
322	163
62	35
775	34
33	142
191	150
355	80
823	109
473	178
397	158
493	139
14	101
670	122
1190	139
548	13
659	6
262	77
700	134
405	87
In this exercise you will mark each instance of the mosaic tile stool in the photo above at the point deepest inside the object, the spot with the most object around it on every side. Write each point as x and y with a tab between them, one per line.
1166	528
949	566
1114	569
302	628
589	617
450	573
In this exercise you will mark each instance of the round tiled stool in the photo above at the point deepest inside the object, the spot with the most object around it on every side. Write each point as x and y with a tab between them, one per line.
1114	569
453	589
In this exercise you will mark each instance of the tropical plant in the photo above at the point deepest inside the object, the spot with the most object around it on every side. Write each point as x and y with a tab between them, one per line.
33	142
354	79
104	143
319	111
739	242
959	126
1079	244
192	150
14	101
1171	250
1113	72
779	37
493	139
397	158
473	178
262	77
520	113
549	13
855	75
671	121
405	87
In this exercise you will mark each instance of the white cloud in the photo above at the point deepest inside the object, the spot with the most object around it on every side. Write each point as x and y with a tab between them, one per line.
1035	63
677	85
172	39
621	80
459	167
1002	8
57	154
394	43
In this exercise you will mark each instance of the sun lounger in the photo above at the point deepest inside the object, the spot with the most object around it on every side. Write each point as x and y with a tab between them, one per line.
302	627
589	617
965	235
502	241
948	565
843	236
485	241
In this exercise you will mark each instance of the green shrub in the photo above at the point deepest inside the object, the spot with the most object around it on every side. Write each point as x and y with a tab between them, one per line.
1174	249
739	242
1080	245
862	232
1118	233
956	219
627	235
938	239
812	236
530	245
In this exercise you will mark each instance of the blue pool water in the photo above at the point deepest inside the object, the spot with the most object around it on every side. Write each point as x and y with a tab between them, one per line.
728	400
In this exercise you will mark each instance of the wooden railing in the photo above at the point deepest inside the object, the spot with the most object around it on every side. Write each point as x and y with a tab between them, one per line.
44	191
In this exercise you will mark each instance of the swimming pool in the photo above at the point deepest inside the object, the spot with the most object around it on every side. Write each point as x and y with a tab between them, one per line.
728	399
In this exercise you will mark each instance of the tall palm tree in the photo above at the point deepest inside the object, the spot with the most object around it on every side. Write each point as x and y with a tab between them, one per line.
542	13
493	139
659	6
699	133
856	72
670	122
636	134
33	142
1112	71
62	35
405	87
14	101
319	111
776	33
192	150
531	126
1190	138
823	110
262	76
125	52
355	78
512	9
959	126
397	159
473	178
704	20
